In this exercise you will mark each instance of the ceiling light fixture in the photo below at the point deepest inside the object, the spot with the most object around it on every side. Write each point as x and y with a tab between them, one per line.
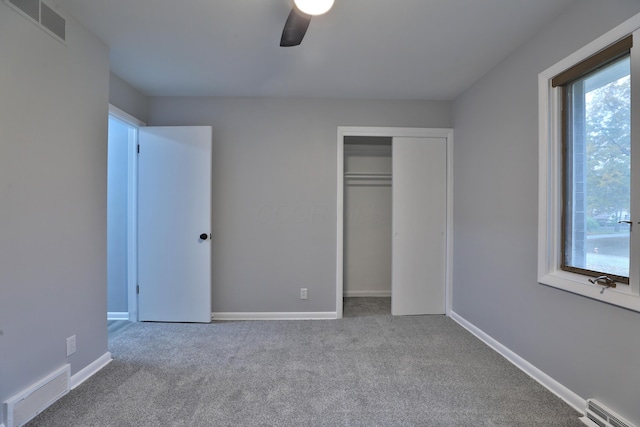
314	7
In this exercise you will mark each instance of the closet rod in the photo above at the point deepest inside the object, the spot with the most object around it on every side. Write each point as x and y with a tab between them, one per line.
352	175
368	184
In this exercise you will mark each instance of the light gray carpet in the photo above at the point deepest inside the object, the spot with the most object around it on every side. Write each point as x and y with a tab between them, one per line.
369	369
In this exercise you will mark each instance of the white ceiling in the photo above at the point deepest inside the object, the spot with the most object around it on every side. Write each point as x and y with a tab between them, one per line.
387	49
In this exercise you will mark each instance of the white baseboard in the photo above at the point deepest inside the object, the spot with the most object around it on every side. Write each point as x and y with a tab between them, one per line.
353	294
571	398
117	315
275	316
90	370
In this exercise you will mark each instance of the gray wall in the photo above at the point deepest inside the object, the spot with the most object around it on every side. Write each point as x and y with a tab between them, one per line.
53	158
117	186
274	191
590	347
127	98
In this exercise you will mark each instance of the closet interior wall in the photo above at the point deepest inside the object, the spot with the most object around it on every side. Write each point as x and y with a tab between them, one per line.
367	216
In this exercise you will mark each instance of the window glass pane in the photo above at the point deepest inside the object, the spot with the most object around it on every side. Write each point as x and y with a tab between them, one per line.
597	170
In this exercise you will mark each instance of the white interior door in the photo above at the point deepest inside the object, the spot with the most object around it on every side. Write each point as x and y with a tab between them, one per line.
419	225
174	210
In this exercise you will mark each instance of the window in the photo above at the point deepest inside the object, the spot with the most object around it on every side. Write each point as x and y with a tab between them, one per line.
596	154
587	244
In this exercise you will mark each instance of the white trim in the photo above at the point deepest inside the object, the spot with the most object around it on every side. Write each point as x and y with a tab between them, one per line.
373	294
571	398
391	132
340	225
117	315
550	182
274	316
90	370
132	224
449	266
634	255
125	117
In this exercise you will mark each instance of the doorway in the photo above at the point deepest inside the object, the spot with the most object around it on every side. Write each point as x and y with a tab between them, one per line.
394	217
137	265
121	216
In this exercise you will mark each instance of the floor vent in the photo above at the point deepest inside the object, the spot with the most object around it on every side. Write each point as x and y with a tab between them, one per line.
25	405
598	415
42	15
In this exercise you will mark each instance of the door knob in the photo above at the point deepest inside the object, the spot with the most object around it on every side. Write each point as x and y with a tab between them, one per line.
204	236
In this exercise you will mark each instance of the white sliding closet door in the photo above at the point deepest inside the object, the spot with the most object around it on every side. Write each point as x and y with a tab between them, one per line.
419	225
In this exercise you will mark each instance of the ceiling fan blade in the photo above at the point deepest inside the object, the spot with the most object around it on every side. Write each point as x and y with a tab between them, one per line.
295	28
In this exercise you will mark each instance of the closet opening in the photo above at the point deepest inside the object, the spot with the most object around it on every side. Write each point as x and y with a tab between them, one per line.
394	204
367	225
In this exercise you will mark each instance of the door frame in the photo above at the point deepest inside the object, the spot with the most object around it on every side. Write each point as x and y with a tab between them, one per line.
132	209
391	132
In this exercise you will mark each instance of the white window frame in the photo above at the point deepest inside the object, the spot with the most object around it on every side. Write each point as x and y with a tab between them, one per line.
550	179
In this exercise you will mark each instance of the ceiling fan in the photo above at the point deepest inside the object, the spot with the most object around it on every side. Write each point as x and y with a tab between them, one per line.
298	20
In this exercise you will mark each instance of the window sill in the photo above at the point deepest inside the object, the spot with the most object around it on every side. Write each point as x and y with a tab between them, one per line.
580	285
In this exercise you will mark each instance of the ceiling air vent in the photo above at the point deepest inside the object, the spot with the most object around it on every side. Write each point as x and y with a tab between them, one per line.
29	7
52	21
42	15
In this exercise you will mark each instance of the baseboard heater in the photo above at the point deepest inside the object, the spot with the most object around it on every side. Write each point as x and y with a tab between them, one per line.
25	405
598	415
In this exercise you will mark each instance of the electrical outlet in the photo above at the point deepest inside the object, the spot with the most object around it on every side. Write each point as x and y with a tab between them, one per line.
71	345
303	293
